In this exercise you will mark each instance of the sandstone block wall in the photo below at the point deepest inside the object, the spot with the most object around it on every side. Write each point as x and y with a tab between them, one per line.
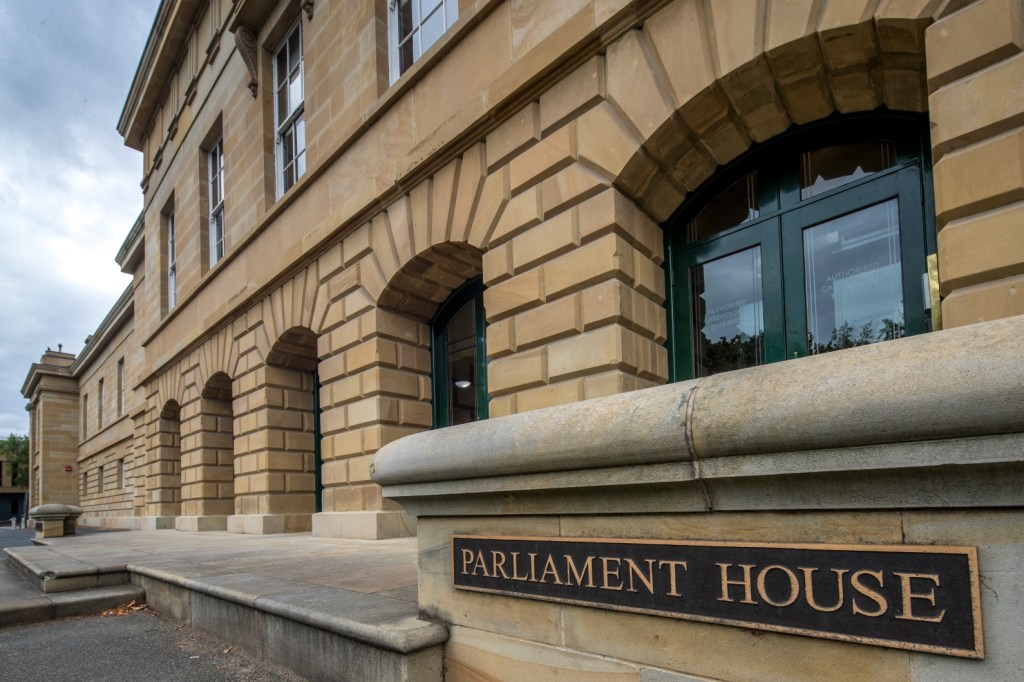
538	145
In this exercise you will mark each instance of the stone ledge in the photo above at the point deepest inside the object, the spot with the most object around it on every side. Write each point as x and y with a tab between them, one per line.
956	473
381	622
51	572
38	608
954	384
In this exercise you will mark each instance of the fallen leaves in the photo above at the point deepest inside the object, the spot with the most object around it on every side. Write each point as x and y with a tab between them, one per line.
125	609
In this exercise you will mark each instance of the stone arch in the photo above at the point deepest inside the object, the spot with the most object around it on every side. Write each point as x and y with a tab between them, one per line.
163	471
428	278
376	380
275	469
207	459
718	79
444	218
217	355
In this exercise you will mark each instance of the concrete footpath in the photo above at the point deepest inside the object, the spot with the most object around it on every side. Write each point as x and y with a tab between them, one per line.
323	608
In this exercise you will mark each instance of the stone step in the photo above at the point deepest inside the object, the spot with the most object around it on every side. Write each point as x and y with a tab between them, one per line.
21	603
319	633
51	572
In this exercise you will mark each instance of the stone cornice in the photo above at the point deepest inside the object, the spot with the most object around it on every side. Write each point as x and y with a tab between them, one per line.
38	371
132	251
169	32
119	314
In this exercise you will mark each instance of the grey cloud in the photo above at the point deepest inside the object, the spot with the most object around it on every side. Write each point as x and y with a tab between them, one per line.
68	187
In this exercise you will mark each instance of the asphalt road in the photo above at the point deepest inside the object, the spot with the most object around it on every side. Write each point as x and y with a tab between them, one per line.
141	645
125	648
10	537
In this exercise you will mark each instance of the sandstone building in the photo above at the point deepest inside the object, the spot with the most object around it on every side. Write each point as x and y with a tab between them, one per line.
368	219
12	497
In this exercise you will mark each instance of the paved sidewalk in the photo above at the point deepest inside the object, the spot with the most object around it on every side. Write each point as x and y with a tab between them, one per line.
277	596
382	567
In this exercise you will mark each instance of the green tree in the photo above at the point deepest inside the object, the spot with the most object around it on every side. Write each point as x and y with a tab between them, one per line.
14	449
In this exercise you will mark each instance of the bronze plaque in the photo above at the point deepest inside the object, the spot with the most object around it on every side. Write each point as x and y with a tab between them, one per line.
918	597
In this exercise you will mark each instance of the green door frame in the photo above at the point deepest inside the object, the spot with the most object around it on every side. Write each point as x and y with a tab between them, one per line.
471	290
318	458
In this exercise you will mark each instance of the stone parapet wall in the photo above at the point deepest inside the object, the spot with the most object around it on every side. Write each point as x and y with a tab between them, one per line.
826	450
712	434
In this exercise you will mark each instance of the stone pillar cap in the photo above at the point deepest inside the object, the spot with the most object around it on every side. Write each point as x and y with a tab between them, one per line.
54	511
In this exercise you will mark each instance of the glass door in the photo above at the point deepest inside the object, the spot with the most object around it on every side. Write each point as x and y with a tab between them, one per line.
734	292
847	281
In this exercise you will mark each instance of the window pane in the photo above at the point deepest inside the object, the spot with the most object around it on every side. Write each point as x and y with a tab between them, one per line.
854	288
463	325
214	179
288	148
728	313
829	167
737	204
295	92
281	66
282	102
294	49
460	340
405	23
216	237
432	29
462	374
405	55
300	148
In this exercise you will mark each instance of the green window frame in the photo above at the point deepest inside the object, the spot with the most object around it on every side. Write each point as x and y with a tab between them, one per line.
459	354
318	437
777	225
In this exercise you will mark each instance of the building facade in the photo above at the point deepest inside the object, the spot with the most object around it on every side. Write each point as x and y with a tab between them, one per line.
608	174
367	219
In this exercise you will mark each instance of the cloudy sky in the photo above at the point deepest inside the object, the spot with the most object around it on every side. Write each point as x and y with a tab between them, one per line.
69	188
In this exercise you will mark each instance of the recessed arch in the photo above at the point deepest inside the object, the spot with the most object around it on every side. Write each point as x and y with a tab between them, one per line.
744	79
277	477
429	278
207	463
163	472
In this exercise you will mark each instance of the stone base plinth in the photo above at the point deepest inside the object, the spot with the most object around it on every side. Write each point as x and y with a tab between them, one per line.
268	524
54	520
120	522
157	523
364	525
199	524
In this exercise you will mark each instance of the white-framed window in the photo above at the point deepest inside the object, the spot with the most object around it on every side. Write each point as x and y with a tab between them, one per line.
289	113
215	178
120	387
413	26
99	405
172	285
